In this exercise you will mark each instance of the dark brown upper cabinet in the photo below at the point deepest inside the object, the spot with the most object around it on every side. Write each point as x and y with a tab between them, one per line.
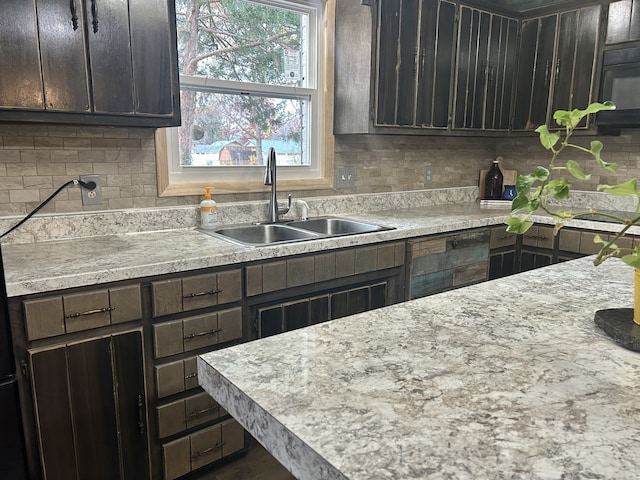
556	65
623	22
415	48
107	62
485	69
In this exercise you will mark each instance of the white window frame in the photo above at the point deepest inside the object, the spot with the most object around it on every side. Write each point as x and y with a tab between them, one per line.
174	180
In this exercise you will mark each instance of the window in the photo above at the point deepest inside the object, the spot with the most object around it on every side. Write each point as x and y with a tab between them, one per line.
251	73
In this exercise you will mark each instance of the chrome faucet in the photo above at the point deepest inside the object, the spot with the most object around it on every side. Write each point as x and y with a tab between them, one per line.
270	179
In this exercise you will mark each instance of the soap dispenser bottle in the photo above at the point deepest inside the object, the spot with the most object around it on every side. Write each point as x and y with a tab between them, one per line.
208	211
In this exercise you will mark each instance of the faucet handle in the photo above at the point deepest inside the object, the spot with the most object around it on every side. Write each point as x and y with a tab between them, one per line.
284	210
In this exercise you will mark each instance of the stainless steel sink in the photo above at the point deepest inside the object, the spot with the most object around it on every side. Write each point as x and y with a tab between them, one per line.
336	226
258	235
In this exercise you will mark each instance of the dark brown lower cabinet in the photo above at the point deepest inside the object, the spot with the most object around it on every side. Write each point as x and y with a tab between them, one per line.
282	317
202	448
90	408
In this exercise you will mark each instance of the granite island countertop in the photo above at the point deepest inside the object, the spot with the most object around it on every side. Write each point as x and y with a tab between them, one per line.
68	263
510	378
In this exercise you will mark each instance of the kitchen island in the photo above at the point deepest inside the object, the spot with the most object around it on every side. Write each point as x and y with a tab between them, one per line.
510	378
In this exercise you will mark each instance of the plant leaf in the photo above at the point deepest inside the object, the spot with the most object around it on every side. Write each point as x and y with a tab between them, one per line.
597	107
632	259
623	189
524	184
547	139
562	117
576	171
517	225
520	203
596	148
560	188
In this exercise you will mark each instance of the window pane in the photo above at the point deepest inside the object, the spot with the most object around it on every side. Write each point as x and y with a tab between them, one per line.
230	129
242	41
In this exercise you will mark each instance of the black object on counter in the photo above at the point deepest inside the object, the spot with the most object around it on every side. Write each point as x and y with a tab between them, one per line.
493	182
618	324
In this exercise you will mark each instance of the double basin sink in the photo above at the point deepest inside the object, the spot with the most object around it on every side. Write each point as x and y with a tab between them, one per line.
259	235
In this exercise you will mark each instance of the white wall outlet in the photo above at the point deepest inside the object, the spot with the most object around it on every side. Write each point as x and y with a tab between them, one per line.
91	197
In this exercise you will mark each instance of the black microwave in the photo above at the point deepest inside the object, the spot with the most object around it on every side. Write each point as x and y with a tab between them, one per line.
620	83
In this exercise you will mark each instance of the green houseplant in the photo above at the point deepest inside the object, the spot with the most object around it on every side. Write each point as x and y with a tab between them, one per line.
547	186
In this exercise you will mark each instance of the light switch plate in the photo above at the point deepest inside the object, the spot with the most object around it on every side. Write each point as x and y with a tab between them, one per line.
345	177
428	175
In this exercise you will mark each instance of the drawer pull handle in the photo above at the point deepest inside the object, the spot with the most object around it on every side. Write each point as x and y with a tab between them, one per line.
90	312
201	412
201	294
217	446
202	334
191	375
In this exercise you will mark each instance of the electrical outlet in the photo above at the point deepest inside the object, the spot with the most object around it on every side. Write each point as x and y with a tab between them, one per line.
345	177
91	197
428	175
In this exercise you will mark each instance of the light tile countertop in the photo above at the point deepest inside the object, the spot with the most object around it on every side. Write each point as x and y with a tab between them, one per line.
509	378
91	260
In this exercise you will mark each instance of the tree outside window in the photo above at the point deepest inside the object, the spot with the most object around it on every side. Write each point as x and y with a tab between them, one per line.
256	54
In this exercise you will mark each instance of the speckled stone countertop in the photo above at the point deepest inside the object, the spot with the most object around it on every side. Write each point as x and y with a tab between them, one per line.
134	246
510	378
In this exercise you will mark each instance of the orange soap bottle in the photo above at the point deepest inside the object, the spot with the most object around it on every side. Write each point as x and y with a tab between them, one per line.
208	211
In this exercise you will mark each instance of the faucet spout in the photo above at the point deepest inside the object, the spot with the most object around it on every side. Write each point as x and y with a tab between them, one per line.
270	179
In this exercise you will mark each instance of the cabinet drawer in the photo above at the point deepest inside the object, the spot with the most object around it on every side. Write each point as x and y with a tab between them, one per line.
75	312
501	238
278	275
176	377
180	415
581	242
539	236
178	336
194	292
202	448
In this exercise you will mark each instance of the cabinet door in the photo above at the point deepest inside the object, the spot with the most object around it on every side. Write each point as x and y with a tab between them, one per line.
501	72
415	55
89	402
535	71
64	62
575	62
437	40
110	56
20	80
153	56
472	67
397	61
623	21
